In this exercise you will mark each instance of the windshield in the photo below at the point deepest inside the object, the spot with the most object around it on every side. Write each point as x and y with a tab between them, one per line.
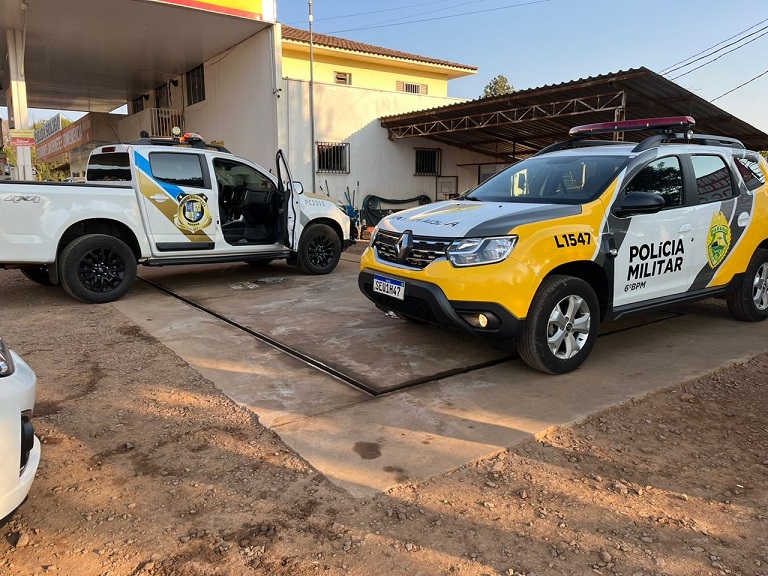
551	179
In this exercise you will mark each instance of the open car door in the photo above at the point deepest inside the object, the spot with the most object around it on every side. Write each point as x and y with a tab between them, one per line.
287	217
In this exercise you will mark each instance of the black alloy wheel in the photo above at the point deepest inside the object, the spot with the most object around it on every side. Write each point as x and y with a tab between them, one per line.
319	249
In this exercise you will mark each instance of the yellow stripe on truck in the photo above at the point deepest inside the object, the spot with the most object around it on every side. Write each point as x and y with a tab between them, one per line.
149	188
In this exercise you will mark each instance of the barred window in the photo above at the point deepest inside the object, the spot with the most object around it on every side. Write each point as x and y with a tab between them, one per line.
162	96
412	87
427	162
195	82
137	104
333	157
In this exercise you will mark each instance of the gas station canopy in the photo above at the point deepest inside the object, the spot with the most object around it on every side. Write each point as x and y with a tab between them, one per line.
97	55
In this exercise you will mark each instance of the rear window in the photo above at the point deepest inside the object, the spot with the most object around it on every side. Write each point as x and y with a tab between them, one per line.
750	171
713	179
111	167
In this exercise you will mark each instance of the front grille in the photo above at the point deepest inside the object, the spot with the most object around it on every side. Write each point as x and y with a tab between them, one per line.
419	254
412	306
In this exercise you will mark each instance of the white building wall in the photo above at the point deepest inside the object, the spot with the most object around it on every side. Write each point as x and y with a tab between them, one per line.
381	167
240	102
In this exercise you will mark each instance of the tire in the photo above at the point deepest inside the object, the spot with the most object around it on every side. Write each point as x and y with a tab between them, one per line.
39	275
561	327
319	250
750	301
97	268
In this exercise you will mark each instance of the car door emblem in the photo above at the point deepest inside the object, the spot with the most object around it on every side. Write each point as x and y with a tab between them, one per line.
718	239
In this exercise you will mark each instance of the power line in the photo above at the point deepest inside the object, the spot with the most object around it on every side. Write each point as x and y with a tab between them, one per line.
740	86
431	12
440	17
377	11
718	58
668	69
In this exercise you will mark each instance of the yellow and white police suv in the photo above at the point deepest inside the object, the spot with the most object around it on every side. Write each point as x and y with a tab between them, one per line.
583	232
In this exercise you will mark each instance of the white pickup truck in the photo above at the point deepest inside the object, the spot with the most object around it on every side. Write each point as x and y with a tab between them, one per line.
159	202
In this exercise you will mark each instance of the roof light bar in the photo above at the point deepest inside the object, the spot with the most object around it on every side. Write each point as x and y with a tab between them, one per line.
685	122
191	137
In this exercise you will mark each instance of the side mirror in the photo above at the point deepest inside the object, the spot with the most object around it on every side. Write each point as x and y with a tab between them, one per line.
639	203
297	187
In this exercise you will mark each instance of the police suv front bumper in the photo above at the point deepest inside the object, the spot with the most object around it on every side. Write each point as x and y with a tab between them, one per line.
426	302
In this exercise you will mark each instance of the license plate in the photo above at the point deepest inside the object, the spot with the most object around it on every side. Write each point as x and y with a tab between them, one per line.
393	288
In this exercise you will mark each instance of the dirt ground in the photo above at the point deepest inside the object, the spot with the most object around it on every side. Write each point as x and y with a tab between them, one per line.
147	469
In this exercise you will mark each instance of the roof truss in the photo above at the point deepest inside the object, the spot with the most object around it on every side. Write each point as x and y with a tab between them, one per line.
484	120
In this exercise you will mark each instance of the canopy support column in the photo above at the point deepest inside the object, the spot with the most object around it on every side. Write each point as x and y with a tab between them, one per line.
16	97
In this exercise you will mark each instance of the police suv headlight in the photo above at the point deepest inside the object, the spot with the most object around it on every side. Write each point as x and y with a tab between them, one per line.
477	251
373	236
6	360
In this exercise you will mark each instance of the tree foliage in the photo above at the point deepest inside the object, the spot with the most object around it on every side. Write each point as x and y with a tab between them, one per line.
498	86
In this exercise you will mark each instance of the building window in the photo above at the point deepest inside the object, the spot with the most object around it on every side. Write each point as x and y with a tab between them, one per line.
162	96
412	88
195	82
137	104
427	161
343	78
333	157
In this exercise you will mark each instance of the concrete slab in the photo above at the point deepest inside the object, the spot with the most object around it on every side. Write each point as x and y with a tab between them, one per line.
278	388
326	316
367	444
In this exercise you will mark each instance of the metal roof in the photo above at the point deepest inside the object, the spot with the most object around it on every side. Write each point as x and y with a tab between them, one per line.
516	125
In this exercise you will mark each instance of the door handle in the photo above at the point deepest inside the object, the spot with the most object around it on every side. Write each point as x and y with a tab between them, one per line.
685	228
159	197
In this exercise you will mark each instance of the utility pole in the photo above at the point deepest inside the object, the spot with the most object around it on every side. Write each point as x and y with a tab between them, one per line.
313	146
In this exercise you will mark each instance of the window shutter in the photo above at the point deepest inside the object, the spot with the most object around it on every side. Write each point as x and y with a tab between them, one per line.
400	86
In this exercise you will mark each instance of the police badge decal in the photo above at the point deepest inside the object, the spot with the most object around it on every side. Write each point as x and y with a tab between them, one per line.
718	239
193	214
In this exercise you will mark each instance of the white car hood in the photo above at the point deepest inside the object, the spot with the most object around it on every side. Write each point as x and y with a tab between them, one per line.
472	219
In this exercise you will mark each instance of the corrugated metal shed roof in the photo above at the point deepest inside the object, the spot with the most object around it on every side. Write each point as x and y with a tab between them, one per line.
519	124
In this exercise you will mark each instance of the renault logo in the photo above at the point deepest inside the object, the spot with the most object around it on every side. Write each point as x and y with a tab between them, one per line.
404	245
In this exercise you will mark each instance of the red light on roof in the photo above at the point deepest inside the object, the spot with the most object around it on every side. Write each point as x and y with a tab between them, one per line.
106	149
191	137
632	125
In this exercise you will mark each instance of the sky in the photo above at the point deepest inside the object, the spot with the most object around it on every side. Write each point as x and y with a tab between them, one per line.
540	42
